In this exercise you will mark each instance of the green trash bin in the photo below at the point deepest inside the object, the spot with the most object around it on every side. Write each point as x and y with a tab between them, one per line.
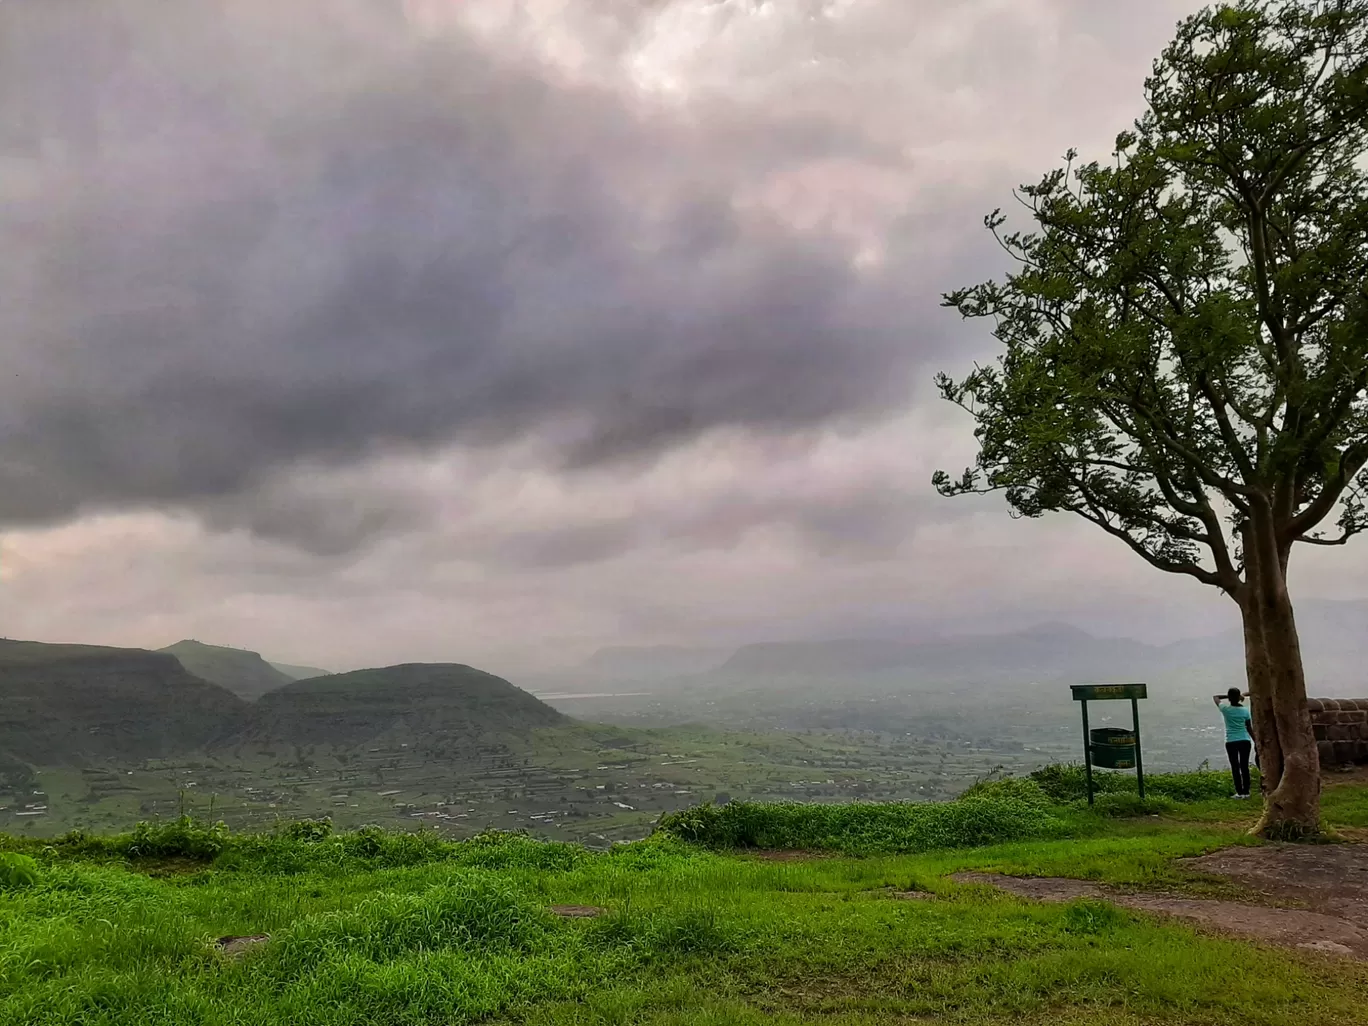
1113	747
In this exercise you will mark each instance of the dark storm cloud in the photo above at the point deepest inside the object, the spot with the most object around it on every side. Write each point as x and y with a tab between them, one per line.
250	238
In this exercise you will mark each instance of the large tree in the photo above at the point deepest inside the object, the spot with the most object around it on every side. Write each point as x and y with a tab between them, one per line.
1186	337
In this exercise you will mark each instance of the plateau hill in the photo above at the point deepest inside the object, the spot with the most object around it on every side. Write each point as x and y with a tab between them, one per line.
429	702
244	673
72	703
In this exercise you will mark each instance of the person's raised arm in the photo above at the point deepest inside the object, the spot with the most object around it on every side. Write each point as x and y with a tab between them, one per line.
1217	700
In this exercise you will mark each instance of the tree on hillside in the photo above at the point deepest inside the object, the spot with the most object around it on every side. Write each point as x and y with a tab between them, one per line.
1186	337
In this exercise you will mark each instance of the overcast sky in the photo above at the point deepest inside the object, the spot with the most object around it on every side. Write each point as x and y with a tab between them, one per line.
364	331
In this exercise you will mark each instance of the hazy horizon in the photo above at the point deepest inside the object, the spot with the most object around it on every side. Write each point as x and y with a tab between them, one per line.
502	333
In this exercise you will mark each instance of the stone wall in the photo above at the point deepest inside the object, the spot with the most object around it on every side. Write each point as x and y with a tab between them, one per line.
1341	726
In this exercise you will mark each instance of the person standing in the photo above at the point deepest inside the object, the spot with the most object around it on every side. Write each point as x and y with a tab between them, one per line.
1239	740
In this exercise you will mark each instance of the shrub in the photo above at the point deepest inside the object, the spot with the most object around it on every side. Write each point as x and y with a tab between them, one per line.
861	828
308	829
18	870
499	850
183	837
1027	791
1067	782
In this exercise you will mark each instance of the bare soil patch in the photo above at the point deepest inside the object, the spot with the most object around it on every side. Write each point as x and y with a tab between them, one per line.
1329	883
1328	878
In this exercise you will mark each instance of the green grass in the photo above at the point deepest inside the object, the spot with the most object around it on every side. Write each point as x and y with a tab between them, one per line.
1345	805
383	928
1050	803
1068	783
867	828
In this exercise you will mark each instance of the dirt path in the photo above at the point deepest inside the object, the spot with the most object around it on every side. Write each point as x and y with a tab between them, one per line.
1329	882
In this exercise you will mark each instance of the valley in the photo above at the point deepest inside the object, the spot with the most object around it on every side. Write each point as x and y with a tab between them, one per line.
593	784
98	739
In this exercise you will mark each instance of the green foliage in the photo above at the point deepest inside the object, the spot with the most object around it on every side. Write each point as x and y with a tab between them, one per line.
688	936
478	912
18	870
1185	356
1025	790
183	837
309	829
310	846
1067	782
863	828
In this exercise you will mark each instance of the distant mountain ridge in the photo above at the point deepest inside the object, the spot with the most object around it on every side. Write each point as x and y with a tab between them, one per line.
78	704
1334	635
69	703
299	672
244	673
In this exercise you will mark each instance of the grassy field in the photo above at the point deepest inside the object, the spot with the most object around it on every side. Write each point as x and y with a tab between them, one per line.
378	927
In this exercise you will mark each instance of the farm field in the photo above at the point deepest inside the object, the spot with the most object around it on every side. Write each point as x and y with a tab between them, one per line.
582	782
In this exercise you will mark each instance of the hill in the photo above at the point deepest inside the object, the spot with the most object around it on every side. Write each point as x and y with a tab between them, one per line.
71	703
244	673
432	702
299	672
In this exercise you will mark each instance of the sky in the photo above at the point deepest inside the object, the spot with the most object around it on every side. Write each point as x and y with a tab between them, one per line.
367	331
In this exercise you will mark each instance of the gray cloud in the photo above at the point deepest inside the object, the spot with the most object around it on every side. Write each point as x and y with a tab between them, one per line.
229	264
369	330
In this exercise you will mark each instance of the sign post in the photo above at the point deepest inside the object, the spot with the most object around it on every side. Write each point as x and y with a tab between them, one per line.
1112	747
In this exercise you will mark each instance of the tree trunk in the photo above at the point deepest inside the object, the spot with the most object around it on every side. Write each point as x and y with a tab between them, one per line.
1289	763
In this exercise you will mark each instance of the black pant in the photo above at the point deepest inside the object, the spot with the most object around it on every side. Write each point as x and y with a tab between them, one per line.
1239	764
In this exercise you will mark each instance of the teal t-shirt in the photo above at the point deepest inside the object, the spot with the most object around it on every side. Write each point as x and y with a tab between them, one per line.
1236	722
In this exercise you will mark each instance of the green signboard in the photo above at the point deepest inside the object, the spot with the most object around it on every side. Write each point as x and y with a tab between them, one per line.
1100	692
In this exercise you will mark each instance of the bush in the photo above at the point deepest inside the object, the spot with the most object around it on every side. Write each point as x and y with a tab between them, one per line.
308	829
183	837
18	870
862	828
1067	782
499	850
1027	791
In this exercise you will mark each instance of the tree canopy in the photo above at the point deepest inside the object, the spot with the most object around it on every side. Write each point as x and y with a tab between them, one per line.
1186	328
